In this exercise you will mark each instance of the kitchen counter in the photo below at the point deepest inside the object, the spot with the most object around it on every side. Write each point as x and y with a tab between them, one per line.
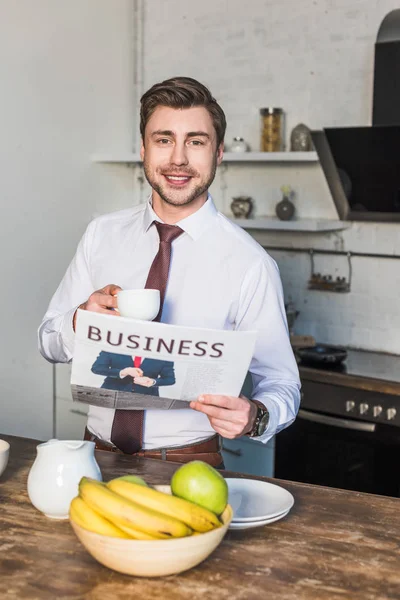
333	544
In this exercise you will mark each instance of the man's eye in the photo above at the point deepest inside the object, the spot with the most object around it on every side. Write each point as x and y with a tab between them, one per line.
163	141
197	143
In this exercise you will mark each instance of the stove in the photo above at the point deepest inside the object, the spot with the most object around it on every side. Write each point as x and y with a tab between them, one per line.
347	432
363	363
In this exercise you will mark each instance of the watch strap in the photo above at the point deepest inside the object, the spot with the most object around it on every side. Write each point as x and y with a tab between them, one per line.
261	410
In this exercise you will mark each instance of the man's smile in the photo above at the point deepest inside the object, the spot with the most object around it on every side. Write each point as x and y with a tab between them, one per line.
177	180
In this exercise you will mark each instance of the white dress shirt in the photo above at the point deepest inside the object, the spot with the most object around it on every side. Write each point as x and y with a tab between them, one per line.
219	278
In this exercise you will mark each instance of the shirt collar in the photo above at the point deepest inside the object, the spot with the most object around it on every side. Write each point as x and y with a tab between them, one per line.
193	225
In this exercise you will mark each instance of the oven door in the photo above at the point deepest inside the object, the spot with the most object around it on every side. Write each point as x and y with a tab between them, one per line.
343	453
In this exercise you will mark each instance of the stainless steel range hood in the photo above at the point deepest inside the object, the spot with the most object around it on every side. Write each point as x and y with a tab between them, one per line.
362	164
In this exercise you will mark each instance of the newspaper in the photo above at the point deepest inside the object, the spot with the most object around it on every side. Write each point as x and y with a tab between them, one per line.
127	364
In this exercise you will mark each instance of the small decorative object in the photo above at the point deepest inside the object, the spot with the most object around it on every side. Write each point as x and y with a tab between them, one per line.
272	129
285	208
242	207
300	139
238	145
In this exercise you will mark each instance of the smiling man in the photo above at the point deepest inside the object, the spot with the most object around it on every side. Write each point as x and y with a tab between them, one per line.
210	274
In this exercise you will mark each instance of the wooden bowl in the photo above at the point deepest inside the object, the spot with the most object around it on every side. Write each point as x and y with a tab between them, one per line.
153	558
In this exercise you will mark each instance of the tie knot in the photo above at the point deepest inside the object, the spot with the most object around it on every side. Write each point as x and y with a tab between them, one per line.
168	233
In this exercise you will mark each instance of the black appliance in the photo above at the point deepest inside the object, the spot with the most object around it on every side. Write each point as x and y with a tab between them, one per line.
386	99
362	164
347	432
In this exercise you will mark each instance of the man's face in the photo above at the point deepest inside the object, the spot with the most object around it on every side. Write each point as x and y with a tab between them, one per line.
180	153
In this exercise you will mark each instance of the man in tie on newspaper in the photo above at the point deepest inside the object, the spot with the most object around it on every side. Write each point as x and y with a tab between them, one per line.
210	273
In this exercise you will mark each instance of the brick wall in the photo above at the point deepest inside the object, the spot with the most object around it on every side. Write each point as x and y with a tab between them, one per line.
314	58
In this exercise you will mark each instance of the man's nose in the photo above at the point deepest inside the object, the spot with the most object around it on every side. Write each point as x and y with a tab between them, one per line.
179	155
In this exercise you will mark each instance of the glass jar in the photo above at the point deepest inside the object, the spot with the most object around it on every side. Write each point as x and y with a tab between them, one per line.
272	130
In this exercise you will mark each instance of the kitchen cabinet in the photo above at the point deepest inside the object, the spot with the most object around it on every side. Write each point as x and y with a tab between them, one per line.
248	456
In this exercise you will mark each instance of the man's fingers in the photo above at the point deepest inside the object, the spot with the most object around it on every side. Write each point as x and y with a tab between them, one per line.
234	429
214	411
223	432
219	400
111	289
104	311
103	300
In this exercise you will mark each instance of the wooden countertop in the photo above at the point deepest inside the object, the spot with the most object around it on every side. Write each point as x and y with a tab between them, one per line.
333	544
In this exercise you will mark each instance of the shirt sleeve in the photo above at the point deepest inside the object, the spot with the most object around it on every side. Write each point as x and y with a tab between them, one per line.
56	334
275	375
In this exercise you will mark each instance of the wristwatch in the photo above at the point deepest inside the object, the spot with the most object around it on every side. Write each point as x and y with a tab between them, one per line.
261	420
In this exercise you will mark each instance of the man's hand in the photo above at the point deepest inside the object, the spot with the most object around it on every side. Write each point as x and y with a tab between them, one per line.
145	381
131	371
229	416
101	301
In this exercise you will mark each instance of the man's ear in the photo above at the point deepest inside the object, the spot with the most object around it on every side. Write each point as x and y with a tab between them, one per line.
220	153
142	149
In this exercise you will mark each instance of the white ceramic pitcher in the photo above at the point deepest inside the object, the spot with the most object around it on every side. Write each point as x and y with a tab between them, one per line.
54	477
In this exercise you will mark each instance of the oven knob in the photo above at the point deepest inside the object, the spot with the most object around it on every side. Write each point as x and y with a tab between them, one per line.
350	404
376	411
390	413
363	408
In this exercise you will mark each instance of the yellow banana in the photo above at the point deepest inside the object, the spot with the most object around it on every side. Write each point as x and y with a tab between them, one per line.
123	512
196	517
137	534
86	517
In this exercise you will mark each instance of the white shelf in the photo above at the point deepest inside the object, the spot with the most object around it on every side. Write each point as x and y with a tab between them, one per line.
134	158
271	157
128	157
295	225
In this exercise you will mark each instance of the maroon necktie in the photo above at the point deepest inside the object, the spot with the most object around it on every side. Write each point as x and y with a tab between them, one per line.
127	428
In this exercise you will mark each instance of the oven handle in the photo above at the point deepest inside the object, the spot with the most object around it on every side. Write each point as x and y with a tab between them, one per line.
335	421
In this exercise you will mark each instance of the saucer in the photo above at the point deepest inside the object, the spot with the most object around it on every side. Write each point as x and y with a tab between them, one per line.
253	500
260	523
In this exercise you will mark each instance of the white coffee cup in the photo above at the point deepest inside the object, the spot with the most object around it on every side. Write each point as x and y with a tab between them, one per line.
4	454
142	305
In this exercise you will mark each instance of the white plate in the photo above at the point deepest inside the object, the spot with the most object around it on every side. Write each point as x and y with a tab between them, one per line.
251	524
254	500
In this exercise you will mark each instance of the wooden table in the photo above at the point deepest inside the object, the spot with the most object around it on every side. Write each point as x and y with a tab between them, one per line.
333	544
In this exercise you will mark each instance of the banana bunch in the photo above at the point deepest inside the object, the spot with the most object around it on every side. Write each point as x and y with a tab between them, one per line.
127	508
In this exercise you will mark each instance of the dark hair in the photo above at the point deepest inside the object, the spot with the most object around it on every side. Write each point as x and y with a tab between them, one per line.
182	92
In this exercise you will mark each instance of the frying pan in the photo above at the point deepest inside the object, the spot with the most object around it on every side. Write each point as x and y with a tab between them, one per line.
322	354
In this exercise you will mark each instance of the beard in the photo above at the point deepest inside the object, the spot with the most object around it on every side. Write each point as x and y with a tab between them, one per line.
179	197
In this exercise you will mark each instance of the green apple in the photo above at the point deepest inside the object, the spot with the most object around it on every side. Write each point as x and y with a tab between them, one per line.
133	479
201	484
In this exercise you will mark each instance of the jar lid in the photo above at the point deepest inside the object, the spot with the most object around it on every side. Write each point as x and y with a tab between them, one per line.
271	111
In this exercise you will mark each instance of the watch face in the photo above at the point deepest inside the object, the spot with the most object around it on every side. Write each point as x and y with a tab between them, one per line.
263	424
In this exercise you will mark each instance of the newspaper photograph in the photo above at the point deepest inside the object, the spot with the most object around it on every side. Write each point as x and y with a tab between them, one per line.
127	364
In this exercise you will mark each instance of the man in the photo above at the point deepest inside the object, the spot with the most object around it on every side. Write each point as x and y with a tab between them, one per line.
140	376
218	277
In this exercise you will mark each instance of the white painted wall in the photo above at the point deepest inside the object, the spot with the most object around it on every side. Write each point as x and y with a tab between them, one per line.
314	58
66	71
